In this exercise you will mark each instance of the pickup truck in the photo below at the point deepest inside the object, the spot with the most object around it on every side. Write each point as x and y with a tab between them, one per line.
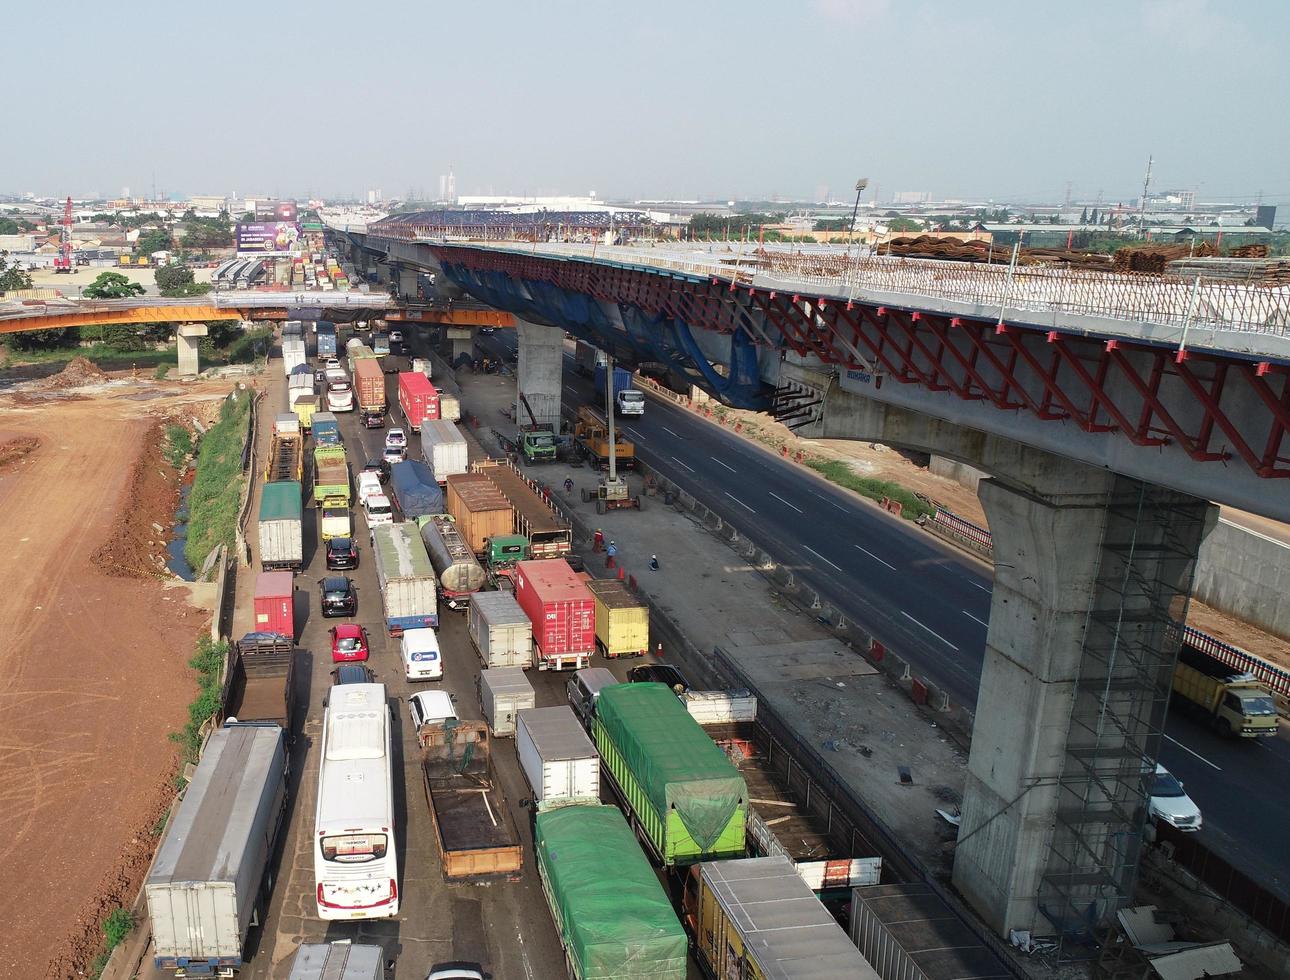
259	680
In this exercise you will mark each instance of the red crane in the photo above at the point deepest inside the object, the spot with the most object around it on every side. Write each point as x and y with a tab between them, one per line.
64	261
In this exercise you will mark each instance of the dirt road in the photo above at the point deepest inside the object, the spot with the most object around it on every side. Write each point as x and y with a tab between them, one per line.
93	668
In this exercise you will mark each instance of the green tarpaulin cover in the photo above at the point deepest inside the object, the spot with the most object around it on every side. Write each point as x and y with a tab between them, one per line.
280	501
672	757
617	919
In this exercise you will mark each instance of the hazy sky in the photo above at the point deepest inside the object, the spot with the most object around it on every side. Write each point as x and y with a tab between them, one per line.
651	98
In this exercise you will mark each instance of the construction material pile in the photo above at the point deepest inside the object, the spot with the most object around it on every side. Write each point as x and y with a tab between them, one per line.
1263	272
80	371
1255	250
957	250
1154	258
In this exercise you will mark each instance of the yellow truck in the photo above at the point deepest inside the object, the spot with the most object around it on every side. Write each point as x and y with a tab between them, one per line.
591	436
622	620
1237	704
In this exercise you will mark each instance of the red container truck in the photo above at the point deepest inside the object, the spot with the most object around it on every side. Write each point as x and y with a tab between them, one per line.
562	612
418	399
274	604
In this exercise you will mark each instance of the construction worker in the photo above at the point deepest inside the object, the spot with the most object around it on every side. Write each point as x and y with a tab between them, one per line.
653	563
568	485
598	540
612	550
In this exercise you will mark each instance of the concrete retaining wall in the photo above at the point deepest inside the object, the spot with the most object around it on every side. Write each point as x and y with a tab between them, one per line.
962	474
1247	575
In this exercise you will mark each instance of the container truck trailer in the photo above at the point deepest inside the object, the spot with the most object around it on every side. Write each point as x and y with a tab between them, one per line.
444	449
557	758
279	528
369	390
562	612
406	577
274	603
1236	704
418	399
342	960
326	339
622	620
481	511
503	693
293	354
627	401
500	631
326	429
585	359
460	573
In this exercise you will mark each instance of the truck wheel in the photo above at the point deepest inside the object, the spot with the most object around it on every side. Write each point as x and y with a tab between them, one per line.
1224	728
640	503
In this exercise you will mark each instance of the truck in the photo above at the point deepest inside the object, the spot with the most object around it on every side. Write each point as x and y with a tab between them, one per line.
340	960
305	407
331	477
549	534
413	489
369	387
326	334
1238	705
503	552
561	610
444	449
418	399
407	579
207	884
586	358
279	527
613	916
286	454
503	693
591	436
536	440
460	574
622	620
326	429
380	343
293	354
473	827
258	686
627	400
300	382
557	758
501	633
355	351
683	793
480	509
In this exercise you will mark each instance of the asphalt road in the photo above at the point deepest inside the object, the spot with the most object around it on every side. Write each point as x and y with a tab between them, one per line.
931	604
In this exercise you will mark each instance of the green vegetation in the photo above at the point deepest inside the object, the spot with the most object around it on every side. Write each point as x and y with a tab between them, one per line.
106	355
13	277
112	285
179	443
177	280
217	488
202	233
208	661
115	928
844	476
154	240
249	345
904	224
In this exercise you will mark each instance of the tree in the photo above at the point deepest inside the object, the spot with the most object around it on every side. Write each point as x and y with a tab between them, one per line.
177	280
13	277
158	240
903	224
8	226
248	218
1083	217
112	285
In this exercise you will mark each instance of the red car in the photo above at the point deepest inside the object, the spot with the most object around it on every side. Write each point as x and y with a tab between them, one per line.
348	642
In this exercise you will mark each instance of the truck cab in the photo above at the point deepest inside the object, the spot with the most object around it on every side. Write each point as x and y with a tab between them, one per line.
629	402
502	554
537	444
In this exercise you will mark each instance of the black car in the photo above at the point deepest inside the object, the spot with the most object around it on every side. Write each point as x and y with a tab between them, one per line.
660	674
379	466
339	598
342	553
352	674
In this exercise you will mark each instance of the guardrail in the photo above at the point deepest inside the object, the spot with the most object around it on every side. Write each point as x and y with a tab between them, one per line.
249	458
1277	679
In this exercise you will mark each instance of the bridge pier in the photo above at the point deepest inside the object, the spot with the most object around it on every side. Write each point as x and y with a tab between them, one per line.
462	341
540	372
187	338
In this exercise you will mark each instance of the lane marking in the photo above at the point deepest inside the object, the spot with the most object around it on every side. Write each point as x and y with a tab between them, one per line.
666	429
786	503
929	629
820	556
828	501
981	587
981	621
688	468
1196	754
726	465
876	558
731	496
635	435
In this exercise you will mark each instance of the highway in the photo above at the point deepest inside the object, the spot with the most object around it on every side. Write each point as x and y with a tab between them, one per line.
930	603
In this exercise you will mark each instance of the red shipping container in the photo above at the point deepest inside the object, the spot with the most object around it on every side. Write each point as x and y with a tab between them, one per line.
559	606
275	604
418	399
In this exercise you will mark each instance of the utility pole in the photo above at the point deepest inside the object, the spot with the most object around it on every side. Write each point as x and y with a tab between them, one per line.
1142	205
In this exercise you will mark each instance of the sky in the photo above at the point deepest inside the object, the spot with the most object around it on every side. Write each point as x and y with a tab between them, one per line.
706	99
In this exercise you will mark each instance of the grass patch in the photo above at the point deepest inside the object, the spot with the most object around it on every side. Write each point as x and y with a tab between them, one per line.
208	661
250	346
843	475
104	355
217	487
179	443
115	928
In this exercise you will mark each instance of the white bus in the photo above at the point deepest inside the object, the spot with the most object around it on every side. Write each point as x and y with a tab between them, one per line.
340	394
355	863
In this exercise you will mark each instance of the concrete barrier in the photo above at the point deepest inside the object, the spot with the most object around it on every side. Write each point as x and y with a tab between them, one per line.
1247	575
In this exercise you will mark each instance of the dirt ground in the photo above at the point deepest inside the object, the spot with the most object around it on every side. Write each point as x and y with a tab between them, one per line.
93	673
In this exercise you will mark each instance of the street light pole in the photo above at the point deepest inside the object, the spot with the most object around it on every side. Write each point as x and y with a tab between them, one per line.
861	184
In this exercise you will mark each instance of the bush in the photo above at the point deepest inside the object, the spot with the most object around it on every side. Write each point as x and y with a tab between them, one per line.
217	487
208	661
179	443
840	473
117	926
248	345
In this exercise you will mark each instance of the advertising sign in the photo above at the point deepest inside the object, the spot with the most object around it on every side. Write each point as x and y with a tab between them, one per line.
280	238
285	211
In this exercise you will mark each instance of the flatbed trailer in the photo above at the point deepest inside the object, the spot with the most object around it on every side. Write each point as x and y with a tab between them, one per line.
550	534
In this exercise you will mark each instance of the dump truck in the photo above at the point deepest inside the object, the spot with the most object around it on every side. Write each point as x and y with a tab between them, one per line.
591	436
286	455
612	915
683	792
549	534
406	577
622	620
473	827
1237	704
280	535
536	440
460	573
331	477
258	685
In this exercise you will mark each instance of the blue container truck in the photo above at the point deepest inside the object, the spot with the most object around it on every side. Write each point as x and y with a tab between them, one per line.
326	339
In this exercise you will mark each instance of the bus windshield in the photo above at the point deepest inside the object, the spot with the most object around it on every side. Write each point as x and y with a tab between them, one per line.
353	848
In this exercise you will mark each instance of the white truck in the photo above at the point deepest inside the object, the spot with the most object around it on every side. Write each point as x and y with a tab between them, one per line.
443	448
500	630
293	354
557	758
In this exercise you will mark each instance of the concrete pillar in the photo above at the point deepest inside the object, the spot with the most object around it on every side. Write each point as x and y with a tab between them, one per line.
187	337
1091	570
407	283
462	341
540	372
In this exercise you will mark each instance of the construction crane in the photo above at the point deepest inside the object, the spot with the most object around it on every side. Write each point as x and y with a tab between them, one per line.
63	263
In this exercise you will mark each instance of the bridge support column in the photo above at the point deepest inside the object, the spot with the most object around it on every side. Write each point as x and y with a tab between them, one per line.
187	337
1091	572
407	282
540	372
462	341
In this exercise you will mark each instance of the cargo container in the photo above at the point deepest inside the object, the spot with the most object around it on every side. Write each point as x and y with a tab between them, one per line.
299	383
612	915
286	453
444	449
550	534
280	535
369	390
286	423
258	687
356	352
622	620
1236	704
755	917
479	508
413	489
473	827
293	328
557	758
337	961
406	577
460	574
562	612
422	365
687	798
331	477
305	408
326	339
274	603
418	399
326	429
207	883
293	354
585	359
503	693
502	634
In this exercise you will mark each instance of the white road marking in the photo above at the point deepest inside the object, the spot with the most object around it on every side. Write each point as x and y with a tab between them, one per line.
828	501
679	463
731	496
970	616
726	465
786	503
634	434
981	587
1196	754
930	630
876	558
820	556
571	391
666	429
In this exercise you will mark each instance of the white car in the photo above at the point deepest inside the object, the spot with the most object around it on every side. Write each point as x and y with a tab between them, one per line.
1171	804
430	706
396	336
332	364
378	510
369	485
419	649
456	971
396	439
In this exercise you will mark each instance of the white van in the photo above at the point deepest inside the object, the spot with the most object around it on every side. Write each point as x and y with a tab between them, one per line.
419	649
378	510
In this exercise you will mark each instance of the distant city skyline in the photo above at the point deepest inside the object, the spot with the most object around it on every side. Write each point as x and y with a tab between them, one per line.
1009	101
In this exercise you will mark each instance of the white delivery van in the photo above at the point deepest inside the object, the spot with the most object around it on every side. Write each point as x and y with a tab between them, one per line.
419	649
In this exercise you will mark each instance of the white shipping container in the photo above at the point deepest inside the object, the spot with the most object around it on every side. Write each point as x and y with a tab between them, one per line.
449	406
421	365
281	544
293	354
500	630
720	707
503	693
557	757
443	448
340	960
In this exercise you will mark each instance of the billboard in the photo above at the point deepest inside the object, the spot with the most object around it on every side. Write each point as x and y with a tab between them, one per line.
269	238
285	211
